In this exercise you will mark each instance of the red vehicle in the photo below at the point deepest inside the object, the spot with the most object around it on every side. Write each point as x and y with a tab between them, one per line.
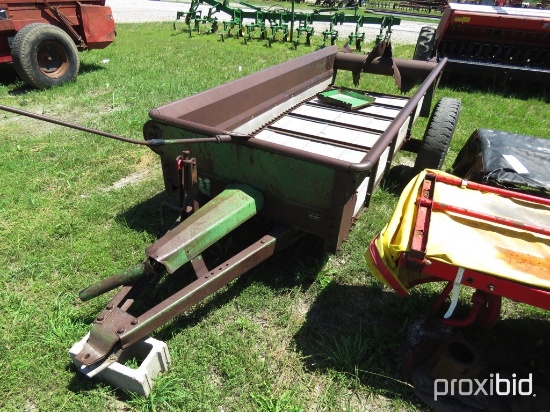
507	42
42	38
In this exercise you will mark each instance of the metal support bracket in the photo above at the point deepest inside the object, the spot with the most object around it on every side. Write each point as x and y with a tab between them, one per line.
115	329
67	23
455	293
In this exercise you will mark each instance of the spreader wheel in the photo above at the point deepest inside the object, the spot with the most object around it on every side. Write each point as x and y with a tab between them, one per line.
438	135
424	44
44	55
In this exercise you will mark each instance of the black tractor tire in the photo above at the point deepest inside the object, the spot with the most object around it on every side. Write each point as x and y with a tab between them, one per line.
44	56
437	137
425	44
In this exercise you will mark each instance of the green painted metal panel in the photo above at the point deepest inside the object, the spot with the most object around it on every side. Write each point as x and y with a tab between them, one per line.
225	212
282	176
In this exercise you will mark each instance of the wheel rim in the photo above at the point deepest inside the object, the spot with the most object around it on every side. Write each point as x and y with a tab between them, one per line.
53	60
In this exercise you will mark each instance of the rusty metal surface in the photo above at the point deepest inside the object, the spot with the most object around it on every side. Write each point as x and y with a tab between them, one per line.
411	69
353	133
344	196
305	190
108	326
183	115
99	25
104	335
25	12
287	175
113	282
115	328
189	187
243	99
248	158
386	137
261	91
350	62
66	24
278	239
62	13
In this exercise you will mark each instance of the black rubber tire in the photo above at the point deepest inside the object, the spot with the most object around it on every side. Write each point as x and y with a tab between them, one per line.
44	56
424	44
437	137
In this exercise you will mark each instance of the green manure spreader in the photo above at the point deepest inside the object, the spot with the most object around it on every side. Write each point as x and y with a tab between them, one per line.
286	144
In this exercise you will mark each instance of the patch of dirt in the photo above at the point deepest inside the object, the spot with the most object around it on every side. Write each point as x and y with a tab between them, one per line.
129	180
34	127
9	123
30	406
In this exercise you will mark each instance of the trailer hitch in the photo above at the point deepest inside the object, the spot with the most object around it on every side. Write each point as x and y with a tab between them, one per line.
115	329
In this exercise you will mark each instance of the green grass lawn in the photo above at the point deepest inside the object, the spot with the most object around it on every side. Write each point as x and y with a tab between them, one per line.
303	331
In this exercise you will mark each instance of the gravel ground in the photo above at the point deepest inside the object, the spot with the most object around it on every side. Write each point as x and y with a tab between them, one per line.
135	11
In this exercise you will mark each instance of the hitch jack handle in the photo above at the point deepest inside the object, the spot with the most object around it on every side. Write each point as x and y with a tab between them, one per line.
225	137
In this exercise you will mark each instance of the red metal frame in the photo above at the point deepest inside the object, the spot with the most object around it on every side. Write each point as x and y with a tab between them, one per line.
533	21
426	204
485	309
89	22
455	181
488	283
499	21
501	42
489	288
388	276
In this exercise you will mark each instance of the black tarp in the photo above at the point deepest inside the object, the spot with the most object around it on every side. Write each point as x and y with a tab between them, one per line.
507	160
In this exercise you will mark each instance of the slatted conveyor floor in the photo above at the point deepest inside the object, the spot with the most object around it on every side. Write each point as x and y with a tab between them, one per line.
317	127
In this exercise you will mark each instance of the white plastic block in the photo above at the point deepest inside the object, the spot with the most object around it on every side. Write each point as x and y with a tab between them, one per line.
152	353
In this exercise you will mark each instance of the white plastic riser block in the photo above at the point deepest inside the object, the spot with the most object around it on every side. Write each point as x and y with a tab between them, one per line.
152	353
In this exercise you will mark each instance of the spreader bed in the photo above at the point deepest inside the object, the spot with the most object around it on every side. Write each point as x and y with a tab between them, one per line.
316	163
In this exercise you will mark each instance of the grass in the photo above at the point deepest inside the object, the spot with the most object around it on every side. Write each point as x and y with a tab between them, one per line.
303	331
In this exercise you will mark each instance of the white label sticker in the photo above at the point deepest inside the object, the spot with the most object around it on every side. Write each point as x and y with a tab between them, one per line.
516	164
